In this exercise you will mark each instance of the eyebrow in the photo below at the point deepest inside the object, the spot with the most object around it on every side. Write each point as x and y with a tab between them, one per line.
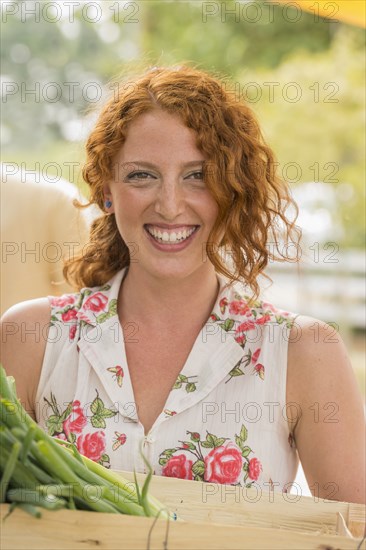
141	163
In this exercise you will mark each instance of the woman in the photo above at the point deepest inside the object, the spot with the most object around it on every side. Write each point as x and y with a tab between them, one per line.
162	344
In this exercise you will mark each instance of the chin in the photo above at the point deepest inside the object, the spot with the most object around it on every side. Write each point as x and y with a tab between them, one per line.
167	270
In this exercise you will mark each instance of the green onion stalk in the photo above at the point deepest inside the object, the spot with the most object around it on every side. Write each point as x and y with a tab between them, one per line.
40	471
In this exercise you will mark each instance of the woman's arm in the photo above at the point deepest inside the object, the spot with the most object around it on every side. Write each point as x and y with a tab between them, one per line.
24	330
330	431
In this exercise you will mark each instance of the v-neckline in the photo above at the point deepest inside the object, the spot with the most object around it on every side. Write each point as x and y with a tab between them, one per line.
213	355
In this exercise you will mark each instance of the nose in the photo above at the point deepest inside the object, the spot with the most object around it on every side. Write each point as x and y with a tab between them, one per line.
169	202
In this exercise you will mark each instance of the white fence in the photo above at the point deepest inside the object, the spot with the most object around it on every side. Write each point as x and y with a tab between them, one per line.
328	284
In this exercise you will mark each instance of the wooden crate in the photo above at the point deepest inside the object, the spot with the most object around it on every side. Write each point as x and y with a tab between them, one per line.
211	517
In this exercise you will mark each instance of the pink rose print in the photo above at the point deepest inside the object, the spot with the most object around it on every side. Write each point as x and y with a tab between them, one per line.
96	302
263	320
247	325
238	307
240	337
178	466
119	440
259	369
91	445
256	355
118	374
169	413
242	329
62	301
76	422
69	315
223	464
254	469
72	332
223	304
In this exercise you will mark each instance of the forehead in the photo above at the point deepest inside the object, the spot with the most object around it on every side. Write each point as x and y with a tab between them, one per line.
158	136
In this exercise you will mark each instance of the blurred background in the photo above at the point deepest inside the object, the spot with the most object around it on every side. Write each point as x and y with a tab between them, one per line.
302	73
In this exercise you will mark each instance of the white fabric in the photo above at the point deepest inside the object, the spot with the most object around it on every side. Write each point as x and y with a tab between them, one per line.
76	369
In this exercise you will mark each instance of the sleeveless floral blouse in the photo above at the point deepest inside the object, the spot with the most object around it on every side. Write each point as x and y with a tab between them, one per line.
225	418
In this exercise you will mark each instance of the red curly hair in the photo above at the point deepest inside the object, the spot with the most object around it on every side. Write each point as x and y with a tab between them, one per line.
240	174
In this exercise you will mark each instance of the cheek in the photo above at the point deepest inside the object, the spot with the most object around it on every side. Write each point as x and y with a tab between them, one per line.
211	210
129	205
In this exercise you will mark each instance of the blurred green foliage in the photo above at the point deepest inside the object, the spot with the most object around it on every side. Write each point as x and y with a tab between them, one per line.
302	76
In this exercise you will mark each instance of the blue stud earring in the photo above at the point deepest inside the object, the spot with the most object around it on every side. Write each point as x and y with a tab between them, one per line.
108	203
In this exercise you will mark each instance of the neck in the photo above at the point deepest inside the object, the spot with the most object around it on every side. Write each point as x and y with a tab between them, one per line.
143	297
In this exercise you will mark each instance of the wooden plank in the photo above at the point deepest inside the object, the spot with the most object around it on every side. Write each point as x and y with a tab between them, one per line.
76	530
356	521
207	502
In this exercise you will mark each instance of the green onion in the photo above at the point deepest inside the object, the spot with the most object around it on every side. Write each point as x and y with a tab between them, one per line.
39	471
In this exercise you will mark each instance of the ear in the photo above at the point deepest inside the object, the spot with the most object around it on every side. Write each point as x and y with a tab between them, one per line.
108	199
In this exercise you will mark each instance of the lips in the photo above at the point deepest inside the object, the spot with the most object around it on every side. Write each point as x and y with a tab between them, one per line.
171	235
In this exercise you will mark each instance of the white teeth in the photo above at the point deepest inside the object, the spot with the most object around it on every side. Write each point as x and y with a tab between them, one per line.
173	237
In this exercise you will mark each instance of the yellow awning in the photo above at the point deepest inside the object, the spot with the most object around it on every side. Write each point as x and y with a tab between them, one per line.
348	11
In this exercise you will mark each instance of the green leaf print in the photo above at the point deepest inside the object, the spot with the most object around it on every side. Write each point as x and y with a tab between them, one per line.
107	413
104	316
100	412
54	405
245	451
188	445
198	468
243	433
163	461
54	425
97	405
112	308
239	442
105	287
212	441
66	412
98	421
182	379
227	325
236	371
169	452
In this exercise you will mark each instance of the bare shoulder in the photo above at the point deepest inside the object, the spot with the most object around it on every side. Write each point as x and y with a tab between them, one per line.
24	330
317	357
319	367
328	423
314	335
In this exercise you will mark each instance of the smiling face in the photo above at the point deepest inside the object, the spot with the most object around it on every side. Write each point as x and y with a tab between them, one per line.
164	212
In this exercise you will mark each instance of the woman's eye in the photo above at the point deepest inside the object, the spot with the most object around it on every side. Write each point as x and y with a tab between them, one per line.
139	176
196	175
